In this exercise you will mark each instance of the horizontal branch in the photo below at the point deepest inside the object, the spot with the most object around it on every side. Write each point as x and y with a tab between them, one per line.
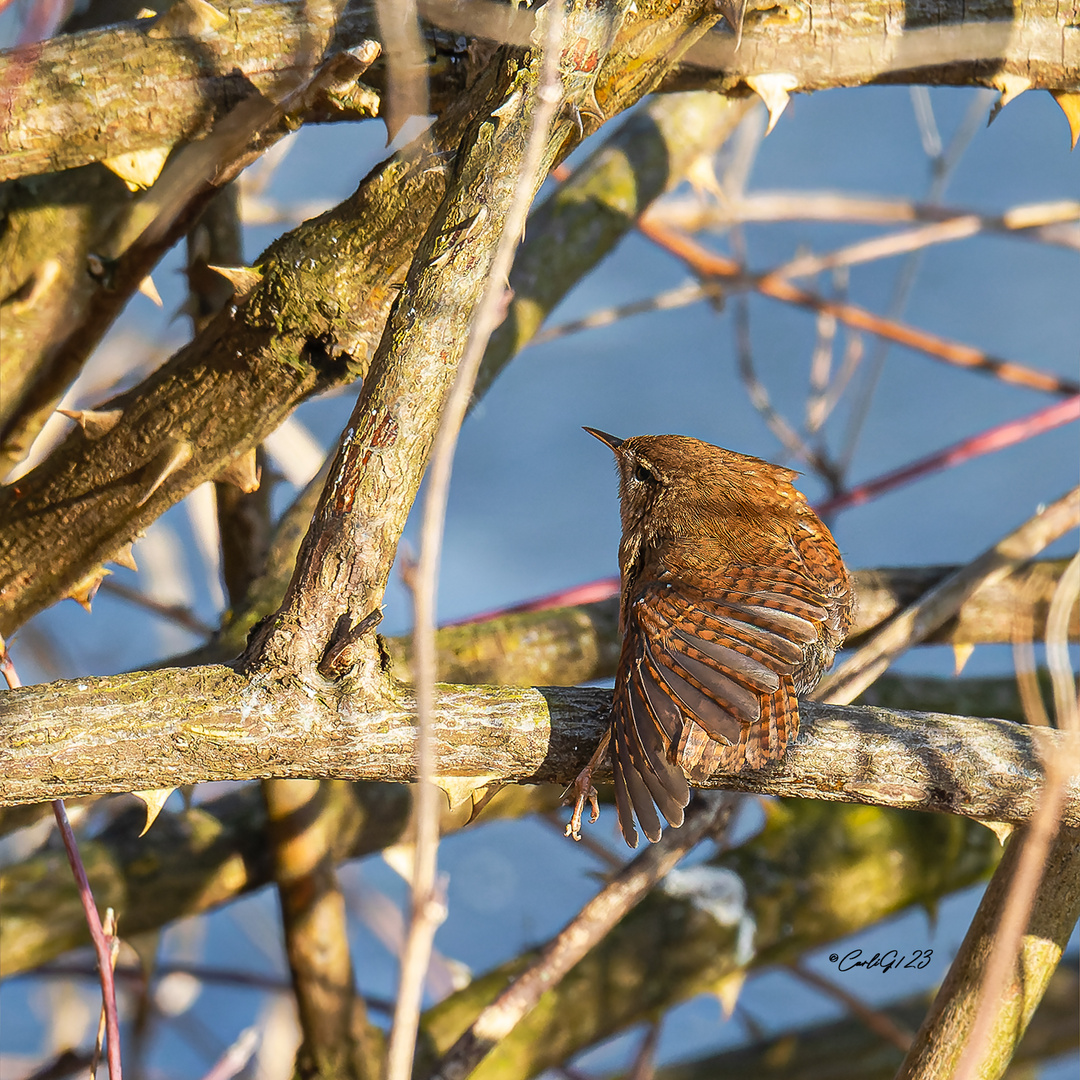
946	43
183	726
142	85
566	646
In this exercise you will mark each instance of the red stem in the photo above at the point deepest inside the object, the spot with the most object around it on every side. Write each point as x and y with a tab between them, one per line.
93	919
97	934
986	442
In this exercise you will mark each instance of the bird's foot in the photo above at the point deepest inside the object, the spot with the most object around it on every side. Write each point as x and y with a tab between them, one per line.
585	792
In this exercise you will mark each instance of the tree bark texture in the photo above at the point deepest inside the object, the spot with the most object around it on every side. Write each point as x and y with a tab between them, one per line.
182	726
313	321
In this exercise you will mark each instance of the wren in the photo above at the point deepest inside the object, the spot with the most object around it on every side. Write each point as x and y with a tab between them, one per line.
733	601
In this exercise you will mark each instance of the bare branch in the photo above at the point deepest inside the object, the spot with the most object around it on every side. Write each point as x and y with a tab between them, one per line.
159	729
859	671
948	1025
1048	222
595	920
709	264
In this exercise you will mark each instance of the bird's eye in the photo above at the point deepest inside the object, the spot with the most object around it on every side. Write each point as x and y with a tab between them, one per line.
643	473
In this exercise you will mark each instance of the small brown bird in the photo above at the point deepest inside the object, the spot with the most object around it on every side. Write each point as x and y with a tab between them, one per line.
734	599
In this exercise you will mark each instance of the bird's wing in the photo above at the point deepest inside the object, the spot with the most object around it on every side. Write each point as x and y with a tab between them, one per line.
706	681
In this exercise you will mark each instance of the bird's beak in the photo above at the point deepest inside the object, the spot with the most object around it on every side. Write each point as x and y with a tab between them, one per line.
604	437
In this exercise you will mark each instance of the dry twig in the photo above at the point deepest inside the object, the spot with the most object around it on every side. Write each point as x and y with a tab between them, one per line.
709	264
940	603
103	943
631	885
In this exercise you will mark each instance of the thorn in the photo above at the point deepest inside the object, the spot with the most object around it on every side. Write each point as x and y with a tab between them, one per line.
575	115
189	19
394	123
1069	100
85	589
727	991
174	455
702	177
462	789
962	653
1001	829
773	88
242	278
1011	87
242	472
471	224
149	290
155	800
125	557
505	300
94	422
140	168
509	105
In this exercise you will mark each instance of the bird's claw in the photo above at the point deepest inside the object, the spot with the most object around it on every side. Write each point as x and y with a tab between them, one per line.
583	786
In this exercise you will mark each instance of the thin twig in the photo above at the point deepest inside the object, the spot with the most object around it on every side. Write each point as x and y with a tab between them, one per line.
1048	222
275	984
920	619
176	613
1066	595
710	264
1030	868
102	943
874	1019
942	164
428	907
821	364
854	351
996	438
681	296
235	1057
578	937
792	442
644	1066
109	927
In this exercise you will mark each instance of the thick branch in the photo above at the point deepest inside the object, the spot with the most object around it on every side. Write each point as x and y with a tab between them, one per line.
311	322
130	87
160	729
950	43
86	97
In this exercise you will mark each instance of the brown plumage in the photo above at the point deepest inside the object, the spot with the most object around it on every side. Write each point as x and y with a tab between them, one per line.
734	599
